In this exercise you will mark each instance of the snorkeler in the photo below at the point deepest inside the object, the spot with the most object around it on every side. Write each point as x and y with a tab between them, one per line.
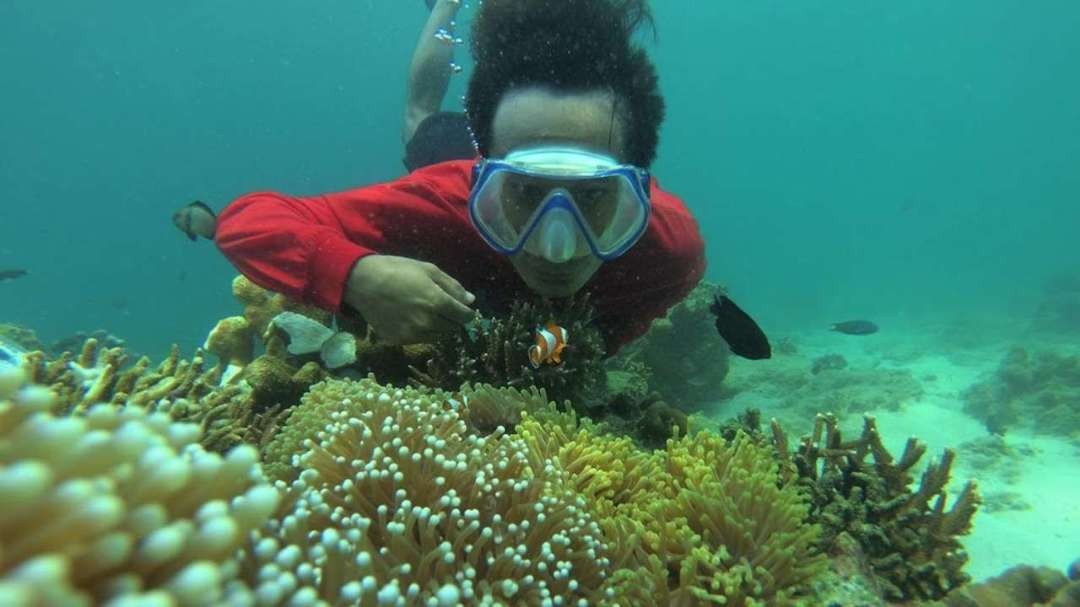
566	113
430	135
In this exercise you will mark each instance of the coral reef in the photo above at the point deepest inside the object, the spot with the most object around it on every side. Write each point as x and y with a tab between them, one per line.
861	497
22	337
686	359
232	340
245	409
828	362
101	375
410	493
1039	391
495	351
117	505
846	391
648	420
75	341
1021	586
1059	310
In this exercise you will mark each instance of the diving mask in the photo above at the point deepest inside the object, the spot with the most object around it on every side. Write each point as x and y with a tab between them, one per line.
559	203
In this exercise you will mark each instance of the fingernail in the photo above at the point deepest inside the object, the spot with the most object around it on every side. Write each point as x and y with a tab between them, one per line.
469	297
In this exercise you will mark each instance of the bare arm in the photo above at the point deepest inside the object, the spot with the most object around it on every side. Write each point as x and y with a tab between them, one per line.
429	71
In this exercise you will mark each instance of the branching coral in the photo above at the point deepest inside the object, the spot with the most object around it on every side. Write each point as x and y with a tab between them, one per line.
859	491
99	375
246	409
117	505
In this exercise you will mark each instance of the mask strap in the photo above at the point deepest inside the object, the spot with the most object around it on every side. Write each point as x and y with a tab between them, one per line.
611	125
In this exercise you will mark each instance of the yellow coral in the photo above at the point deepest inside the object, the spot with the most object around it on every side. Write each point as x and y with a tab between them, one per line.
751	545
117	505
232	340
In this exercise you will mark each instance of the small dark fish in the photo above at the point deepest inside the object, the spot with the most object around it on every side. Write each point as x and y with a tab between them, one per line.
742	334
854	327
195	219
12	274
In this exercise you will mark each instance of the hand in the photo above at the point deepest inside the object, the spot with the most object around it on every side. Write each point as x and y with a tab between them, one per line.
407	301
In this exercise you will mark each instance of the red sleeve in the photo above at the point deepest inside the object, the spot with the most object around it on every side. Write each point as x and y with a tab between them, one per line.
305	247
659	272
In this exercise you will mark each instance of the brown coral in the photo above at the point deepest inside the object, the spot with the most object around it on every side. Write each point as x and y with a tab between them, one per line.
859	491
495	351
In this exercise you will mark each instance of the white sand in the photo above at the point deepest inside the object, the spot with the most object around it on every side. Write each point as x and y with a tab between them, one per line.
1045	473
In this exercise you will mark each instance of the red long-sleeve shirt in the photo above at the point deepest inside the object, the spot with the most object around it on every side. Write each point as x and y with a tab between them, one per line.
305	247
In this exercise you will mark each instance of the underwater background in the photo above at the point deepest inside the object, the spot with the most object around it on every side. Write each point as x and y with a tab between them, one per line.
911	162
915	164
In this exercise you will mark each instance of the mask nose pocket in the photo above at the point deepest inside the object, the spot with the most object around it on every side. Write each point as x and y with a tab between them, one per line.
557	236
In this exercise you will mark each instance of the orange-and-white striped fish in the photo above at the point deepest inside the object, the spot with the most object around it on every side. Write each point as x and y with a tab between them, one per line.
550	341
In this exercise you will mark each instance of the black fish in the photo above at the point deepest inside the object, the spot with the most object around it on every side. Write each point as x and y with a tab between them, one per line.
855	327
742	334
12	274
196	219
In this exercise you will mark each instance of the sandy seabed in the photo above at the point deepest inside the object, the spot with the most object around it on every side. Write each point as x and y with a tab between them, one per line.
1031	513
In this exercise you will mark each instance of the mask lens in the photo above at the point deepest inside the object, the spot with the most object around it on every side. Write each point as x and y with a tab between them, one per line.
609	207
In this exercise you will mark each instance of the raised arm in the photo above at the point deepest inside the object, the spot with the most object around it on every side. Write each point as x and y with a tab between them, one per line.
429	71
377	250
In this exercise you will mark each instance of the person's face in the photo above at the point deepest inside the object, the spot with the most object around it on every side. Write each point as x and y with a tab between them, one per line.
533	117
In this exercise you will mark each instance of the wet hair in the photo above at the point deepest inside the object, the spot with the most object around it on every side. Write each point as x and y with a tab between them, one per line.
566	46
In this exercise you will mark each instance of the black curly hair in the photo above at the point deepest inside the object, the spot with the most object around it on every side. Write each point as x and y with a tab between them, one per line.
569	45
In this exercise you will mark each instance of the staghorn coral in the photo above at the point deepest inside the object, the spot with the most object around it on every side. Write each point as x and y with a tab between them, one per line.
1039	390
117	505
99	375
495	351
862	499
75	341
248	408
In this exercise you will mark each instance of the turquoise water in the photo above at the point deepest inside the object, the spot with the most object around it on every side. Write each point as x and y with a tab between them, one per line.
906	162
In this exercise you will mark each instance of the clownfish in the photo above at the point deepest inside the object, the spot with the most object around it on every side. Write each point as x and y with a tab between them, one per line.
550	341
